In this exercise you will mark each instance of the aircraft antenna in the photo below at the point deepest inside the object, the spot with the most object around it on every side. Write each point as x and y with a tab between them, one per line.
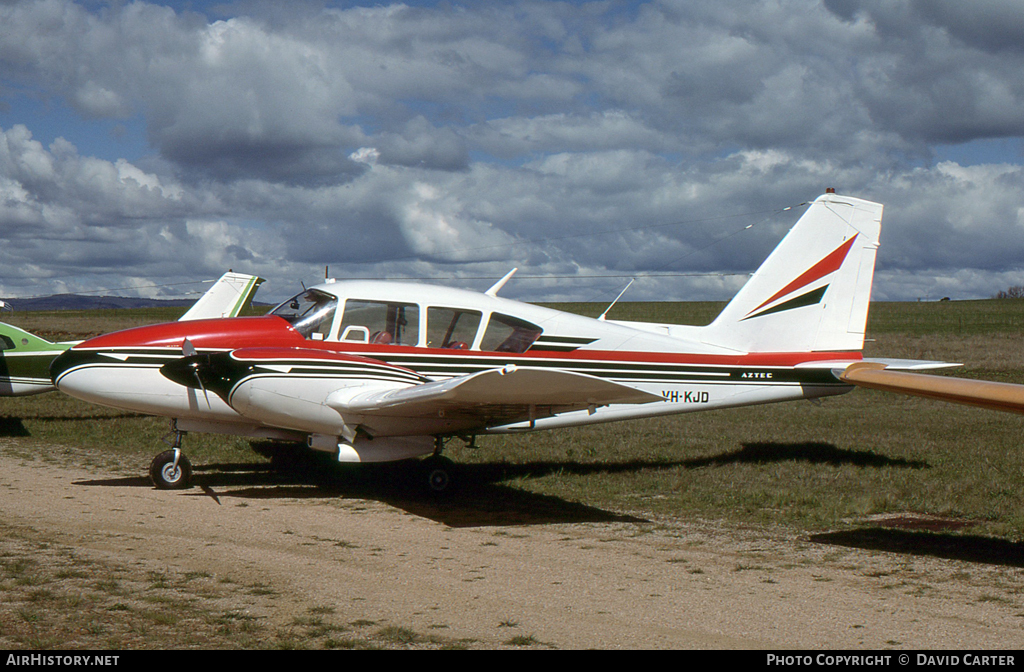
493	291
616	299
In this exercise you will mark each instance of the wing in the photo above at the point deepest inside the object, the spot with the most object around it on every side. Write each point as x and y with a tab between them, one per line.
284	385
493	396
983	393
228	296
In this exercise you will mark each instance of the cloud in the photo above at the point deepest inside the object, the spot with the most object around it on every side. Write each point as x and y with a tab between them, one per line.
513	137
461	140
422	145
941	71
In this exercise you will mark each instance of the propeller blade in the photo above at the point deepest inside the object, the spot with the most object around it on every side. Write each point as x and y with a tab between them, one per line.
209	372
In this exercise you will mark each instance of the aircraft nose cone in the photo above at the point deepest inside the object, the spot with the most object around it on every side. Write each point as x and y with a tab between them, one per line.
113	379
69	372
63	363
76	373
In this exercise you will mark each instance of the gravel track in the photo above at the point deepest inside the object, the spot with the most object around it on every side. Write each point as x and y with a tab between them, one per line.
584	579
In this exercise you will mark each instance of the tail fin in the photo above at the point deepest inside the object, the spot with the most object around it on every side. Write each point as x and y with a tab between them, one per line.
227	297
812	292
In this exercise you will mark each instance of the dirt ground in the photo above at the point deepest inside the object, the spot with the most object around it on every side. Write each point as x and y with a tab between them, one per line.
580	579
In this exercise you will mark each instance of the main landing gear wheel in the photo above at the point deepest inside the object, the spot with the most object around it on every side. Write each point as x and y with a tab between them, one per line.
440	473
168	473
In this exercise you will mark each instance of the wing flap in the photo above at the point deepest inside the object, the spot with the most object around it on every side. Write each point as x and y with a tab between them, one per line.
495	393
986	394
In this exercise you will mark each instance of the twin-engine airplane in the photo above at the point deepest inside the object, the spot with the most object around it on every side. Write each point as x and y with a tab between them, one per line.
386	371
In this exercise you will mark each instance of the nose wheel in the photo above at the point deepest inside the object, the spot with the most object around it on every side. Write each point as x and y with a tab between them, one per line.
171	470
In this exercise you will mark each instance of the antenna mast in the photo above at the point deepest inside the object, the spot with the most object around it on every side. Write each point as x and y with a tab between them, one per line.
616	299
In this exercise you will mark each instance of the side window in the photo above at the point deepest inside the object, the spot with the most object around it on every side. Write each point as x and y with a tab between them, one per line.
381	323
7	343
509	334
452	328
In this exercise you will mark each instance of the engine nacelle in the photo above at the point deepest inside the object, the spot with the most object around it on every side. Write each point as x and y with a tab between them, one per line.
382	449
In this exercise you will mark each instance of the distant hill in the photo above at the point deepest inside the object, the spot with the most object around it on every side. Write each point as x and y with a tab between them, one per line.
80	302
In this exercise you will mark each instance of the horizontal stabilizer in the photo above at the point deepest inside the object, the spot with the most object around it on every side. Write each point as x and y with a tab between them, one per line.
498	393
983	393
910	364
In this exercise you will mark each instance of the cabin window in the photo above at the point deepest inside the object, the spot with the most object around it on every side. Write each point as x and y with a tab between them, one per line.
452	328
509	334
311	313
380	322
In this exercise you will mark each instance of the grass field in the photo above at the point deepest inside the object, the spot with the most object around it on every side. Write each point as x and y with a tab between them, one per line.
814	467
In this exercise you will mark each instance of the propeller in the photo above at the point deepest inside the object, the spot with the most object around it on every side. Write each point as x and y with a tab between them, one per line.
209	372
190	353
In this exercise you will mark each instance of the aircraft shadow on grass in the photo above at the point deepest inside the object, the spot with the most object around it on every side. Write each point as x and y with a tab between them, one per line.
966	548
483	498
12	427
811	452
480	501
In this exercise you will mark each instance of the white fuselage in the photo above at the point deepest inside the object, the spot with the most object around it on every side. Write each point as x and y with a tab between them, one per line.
123	370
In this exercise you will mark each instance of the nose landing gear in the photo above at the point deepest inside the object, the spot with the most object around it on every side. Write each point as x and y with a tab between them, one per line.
171	470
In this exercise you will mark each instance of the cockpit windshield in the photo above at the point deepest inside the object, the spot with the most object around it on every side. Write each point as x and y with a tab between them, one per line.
310	312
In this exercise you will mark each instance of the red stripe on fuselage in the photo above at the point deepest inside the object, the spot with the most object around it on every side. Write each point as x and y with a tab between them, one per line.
273	333
221	333
600	356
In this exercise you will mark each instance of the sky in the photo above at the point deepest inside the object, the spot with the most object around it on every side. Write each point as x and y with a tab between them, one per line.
146	147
